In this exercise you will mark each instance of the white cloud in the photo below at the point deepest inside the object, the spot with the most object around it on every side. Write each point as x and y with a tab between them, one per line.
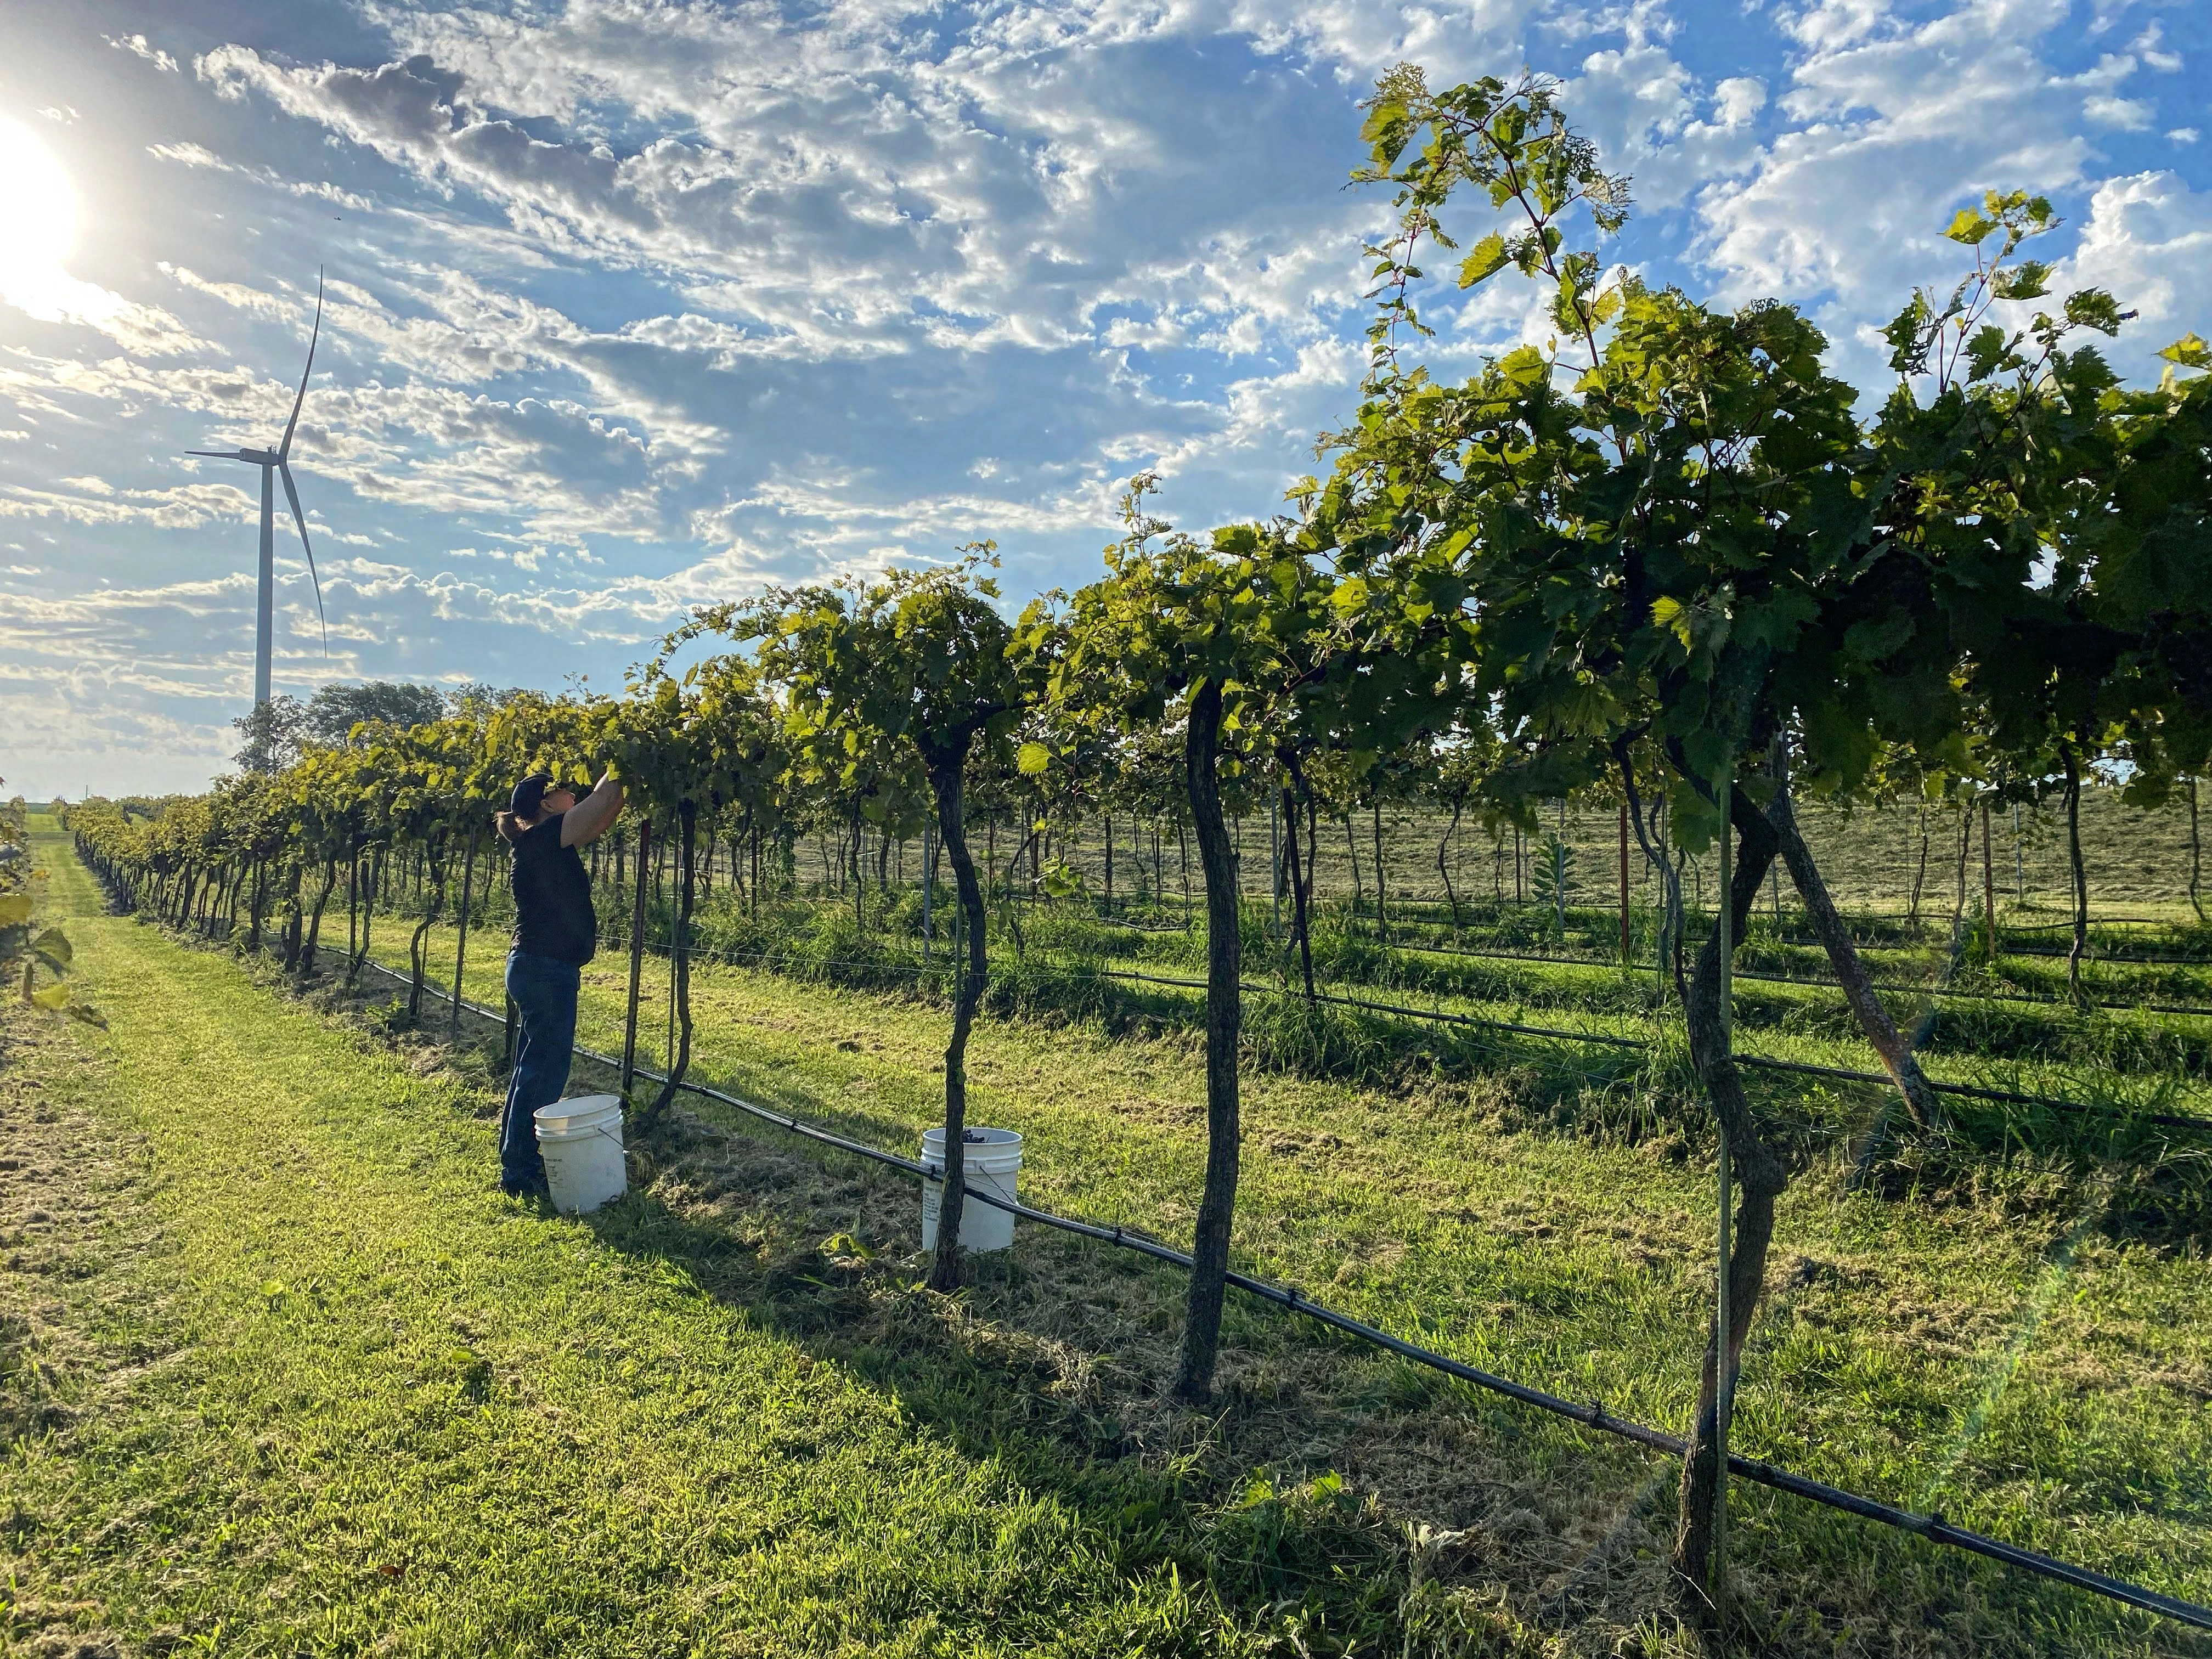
640	302
1738	99
2149	47
139	47
2128	114
1893	124
2148	240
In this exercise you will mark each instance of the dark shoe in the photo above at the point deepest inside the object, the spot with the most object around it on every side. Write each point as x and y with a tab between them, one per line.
535	1189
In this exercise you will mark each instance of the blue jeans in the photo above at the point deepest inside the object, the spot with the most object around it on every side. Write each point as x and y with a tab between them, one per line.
545	993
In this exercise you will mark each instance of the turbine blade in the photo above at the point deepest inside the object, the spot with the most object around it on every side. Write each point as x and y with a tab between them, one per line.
284	449
220	454
300	520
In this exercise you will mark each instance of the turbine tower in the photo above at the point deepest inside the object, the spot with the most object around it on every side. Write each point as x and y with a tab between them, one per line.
274	463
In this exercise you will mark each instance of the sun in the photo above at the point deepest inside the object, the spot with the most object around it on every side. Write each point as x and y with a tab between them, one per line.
39	219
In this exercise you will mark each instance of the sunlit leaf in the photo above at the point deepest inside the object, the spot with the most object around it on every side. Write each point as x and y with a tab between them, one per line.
1486	258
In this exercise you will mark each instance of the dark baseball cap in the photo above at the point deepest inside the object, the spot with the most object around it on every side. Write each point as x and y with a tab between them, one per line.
529	795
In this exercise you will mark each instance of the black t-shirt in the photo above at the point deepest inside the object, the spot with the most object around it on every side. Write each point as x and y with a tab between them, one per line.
552	898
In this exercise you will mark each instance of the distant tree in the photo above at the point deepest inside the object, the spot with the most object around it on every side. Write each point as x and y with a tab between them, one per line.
271	735
477	701
336	709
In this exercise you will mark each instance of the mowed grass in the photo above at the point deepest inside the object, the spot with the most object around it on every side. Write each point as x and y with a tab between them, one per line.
286	1376
2137	858
338	1394
2001	1344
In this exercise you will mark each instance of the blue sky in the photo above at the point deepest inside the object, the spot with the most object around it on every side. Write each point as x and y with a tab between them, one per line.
634	305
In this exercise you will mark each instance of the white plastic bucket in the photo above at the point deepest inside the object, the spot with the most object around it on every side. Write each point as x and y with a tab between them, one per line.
993	1160
581	1142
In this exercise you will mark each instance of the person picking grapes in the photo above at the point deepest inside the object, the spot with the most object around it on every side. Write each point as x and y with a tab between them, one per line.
556	932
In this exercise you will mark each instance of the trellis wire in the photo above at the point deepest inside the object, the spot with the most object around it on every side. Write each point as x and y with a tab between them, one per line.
1604	1039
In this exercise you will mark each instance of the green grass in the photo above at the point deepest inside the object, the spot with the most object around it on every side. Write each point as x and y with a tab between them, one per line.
1918	1349
286	1376
755	1424
2137	859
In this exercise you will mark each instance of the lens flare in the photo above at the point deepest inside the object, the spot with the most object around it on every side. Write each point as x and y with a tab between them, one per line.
39	219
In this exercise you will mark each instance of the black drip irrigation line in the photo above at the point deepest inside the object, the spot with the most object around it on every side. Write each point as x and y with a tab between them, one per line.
1550	959
1800	1067
2095	955
1863	945
2200	1121
1594	1415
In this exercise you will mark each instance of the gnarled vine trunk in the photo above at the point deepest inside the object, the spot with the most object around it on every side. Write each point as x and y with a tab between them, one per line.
679	957
461	944
434	856
293	918
1443	869
2196	855
639	889
2079	876
947	772
1217	1205
1760	1178
306	964
1897	1057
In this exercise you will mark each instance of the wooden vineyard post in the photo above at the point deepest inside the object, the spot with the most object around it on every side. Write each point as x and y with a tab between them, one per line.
1723	1377
1381	901
1182	863
1275	863
2196	854
1625	949
461	950
929	887
1989	892
636	953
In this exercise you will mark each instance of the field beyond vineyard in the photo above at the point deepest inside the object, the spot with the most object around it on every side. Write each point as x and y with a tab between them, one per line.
327	1367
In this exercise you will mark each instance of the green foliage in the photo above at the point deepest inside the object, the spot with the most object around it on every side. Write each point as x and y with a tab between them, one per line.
28	950
1555	868
337	708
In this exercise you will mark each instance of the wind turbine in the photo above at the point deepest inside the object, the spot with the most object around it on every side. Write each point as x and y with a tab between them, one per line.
273	463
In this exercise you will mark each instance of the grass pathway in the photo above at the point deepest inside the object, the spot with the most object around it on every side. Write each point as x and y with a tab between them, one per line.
292	1378
303	1384
1915	1348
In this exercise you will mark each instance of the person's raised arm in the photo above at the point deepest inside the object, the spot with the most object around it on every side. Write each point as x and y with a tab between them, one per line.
587	820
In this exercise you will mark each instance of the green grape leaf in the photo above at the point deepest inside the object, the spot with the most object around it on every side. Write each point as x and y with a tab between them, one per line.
1485	260
2190	352
1970	226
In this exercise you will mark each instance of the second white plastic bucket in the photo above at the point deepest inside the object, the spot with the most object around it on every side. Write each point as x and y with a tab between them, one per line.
993	1160
581	1142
